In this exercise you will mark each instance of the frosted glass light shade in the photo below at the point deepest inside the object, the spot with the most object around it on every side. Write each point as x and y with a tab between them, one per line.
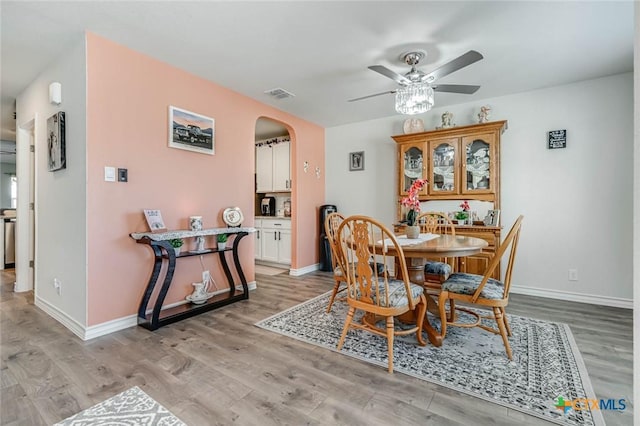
55	93
415	98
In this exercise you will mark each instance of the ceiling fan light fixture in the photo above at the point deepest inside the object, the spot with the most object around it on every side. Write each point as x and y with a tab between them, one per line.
415	98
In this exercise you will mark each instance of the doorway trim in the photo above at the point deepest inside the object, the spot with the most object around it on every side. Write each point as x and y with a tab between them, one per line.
26	136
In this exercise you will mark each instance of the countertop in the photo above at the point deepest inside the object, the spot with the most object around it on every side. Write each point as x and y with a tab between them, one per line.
273	217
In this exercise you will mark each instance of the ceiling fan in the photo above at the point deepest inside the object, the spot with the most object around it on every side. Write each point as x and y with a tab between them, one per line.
417	87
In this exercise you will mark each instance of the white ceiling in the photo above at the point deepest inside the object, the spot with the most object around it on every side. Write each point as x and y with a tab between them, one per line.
320	50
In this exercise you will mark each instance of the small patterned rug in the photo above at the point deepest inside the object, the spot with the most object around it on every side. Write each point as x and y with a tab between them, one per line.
131	407
547	367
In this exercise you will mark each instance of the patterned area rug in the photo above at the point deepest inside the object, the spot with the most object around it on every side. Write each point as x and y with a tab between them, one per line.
546	362
131	407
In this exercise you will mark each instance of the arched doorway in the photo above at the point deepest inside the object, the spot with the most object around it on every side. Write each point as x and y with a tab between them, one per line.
273	192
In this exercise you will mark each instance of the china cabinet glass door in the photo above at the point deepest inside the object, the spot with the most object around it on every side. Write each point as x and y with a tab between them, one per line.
412	167
443	167
479	164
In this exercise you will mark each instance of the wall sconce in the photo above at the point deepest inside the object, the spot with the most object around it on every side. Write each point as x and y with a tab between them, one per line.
55	93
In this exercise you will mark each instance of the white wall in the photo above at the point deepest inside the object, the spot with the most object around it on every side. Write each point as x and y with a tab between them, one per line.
6	170
577	201
61	195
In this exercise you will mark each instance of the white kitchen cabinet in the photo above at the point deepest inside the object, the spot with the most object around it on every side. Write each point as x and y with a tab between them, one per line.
257	238
275	239
281	168
273	170
264	168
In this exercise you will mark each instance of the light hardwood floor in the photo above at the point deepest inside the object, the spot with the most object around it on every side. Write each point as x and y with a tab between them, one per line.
219	369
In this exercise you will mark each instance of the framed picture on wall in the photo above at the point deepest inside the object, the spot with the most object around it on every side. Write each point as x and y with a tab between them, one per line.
356	161
191	131
56	144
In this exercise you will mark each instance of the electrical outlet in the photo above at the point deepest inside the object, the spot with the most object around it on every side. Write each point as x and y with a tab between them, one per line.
57	285
206	276
573	275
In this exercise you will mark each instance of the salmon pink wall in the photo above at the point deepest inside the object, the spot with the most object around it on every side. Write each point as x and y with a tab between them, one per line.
128	97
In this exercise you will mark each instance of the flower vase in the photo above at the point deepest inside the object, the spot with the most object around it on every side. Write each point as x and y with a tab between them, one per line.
413	231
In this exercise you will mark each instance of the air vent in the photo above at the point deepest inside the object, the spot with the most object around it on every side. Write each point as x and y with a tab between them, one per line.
279	93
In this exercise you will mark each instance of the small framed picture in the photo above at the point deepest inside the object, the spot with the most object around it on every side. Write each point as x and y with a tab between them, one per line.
356	161
492	218
191	131
154	220
56	142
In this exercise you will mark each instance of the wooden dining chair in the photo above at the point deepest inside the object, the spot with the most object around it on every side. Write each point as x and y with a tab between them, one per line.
331	224
483	291
377	295
436	271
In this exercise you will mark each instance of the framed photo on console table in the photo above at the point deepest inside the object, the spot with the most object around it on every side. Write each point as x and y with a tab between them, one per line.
154	220
191	131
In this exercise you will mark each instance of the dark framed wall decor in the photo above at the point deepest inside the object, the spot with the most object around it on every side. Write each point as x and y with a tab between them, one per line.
56	143
356	161
557	139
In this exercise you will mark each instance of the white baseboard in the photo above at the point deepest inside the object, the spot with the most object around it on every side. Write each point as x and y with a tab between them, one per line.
102	329
60	316
616	302
305	270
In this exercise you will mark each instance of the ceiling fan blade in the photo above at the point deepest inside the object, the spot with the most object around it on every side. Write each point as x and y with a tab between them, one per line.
456	88
460	62
371	96
398	78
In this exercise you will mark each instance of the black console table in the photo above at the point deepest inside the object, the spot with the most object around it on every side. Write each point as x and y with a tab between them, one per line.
164	252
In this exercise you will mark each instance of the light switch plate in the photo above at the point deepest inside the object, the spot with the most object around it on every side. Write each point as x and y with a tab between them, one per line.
123	175
109	174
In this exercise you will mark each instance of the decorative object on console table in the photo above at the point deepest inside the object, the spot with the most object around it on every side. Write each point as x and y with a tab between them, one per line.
56	142
222	241
191	131
200	294
154	220
413	203
232	216
195	223
176	243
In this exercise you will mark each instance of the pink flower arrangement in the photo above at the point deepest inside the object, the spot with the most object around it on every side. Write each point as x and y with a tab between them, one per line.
465	206
412	201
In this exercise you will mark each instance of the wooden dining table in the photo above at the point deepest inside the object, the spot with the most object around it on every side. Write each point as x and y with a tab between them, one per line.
416	255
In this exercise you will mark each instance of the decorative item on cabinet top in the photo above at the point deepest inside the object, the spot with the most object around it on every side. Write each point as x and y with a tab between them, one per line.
413	125
273	141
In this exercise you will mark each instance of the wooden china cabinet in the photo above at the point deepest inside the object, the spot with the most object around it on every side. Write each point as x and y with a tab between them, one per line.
460	163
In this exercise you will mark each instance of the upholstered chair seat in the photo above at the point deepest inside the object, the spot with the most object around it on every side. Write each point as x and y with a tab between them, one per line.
437	268
397	293
461	283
